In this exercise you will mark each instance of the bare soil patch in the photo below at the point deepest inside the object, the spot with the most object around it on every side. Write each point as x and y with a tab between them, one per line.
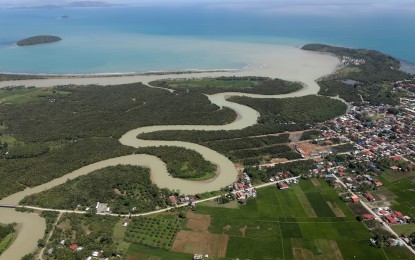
243	230
309	148
198	222
192	242
295	136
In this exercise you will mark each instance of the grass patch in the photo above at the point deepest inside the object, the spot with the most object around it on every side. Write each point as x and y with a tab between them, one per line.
404	229
26	95
119	236
404	189
5	242
140	252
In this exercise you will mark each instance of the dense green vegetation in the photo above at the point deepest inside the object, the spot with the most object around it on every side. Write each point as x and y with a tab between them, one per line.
246	149
182	163
366	81
310	134
264	174
124	188
39	39
277	115
255	85
7	234
91	232
6	77
302	110
105	111
55	131
63	157
156	232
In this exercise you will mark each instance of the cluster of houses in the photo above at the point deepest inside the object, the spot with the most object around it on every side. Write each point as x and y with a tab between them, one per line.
243	188
376	134
346	60
390	216
75	247
182	199
284	184
199	256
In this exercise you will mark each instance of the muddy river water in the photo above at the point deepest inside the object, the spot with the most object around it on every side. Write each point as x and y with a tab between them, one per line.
32	226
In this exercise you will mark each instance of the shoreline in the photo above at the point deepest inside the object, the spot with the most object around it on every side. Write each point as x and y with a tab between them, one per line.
288	64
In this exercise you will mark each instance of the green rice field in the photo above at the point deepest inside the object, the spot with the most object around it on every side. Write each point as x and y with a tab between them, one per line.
280	224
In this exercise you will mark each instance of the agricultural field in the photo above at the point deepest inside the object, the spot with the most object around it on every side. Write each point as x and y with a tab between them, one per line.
307	221
283	225
402	187
157	232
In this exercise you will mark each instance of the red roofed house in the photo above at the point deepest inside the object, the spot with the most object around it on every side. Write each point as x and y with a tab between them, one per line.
355	199
399	214
173	199
395	168
241	185
369	197
282	185
383	212
74	246
368	216
396	157
378	183
391	220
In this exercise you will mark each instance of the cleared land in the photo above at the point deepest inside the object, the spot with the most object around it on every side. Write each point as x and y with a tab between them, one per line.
199	240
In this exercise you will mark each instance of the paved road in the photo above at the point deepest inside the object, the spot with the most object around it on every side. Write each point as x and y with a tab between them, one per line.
151	212
385	225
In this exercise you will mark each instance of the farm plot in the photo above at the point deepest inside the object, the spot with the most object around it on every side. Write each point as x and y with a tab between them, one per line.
404	190
199	240
154	232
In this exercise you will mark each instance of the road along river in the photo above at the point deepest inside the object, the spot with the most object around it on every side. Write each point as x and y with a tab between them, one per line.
310	67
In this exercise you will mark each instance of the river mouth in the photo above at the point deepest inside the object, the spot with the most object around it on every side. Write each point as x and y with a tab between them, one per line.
288	64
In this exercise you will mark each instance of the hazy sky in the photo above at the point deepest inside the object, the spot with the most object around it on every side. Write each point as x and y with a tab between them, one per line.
259	5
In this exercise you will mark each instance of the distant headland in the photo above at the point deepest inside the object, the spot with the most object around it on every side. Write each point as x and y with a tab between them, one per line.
39	39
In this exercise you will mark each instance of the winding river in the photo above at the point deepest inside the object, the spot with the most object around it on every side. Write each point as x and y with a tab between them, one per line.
33	226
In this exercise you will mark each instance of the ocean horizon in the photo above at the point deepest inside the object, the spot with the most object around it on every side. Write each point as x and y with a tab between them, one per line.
137	39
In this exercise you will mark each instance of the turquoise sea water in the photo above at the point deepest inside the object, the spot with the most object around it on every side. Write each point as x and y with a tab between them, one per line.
138	39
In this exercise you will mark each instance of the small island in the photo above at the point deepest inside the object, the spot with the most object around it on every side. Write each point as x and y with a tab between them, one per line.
39	39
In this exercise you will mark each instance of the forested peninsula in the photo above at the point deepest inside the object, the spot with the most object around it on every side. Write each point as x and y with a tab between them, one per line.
39	39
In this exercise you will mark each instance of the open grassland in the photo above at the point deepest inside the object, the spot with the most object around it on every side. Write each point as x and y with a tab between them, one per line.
403	189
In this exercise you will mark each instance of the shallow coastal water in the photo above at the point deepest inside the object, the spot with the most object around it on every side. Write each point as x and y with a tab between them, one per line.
140	39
